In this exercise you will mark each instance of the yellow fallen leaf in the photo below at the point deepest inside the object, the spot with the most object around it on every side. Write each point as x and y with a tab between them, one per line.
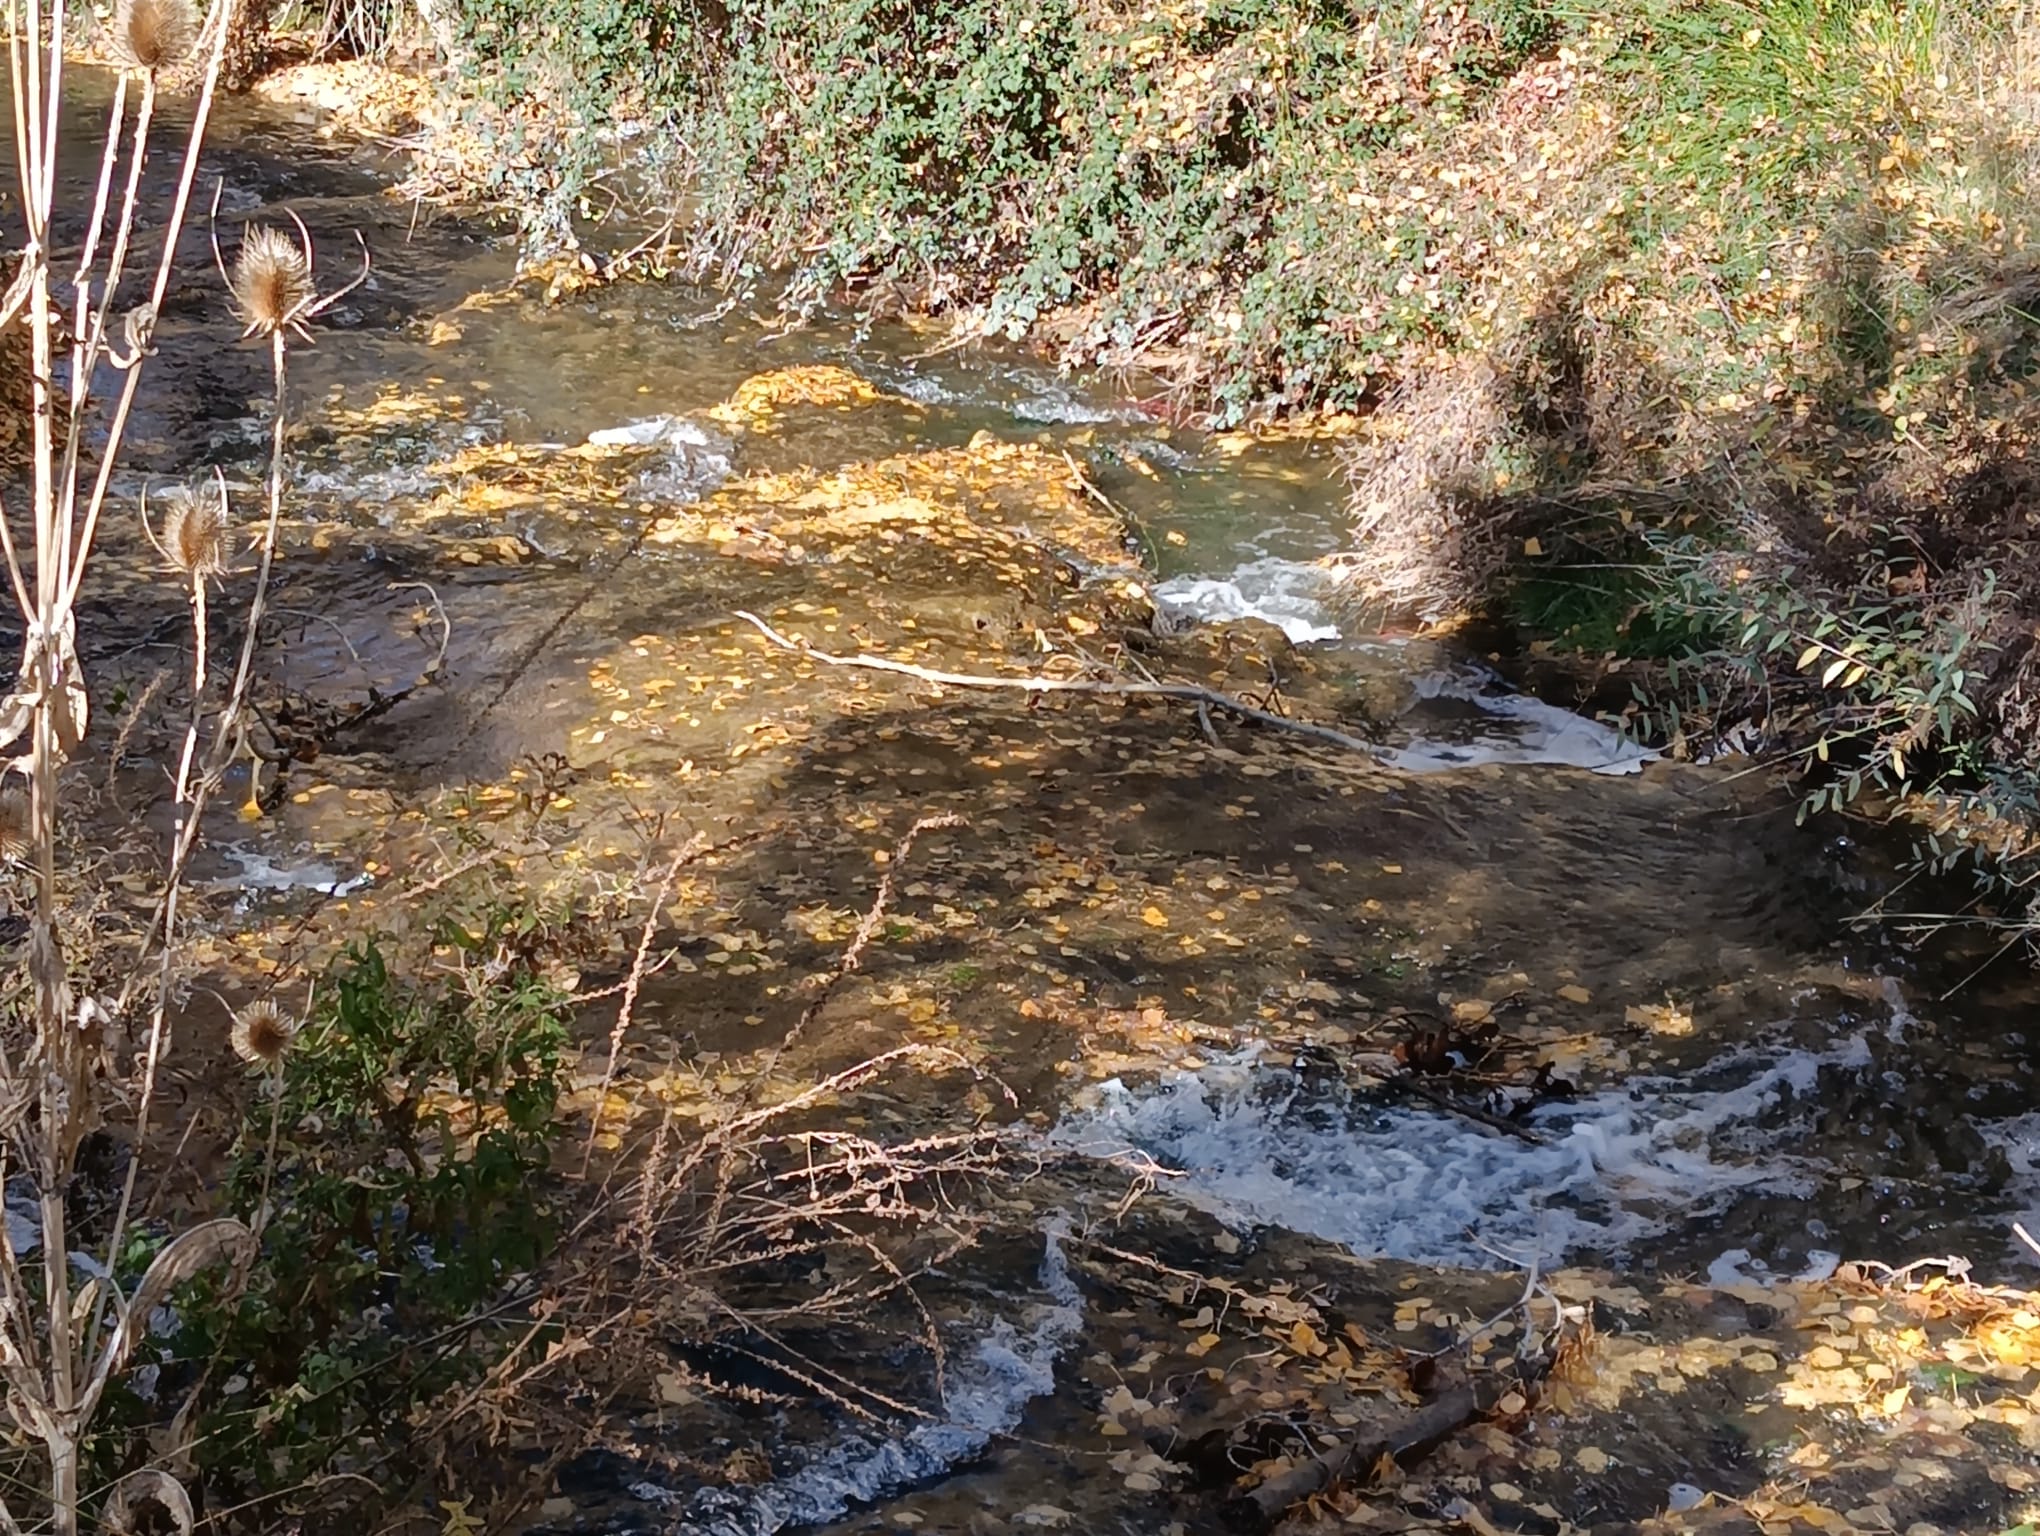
1895	1399
1154	917
1576	994
1532	547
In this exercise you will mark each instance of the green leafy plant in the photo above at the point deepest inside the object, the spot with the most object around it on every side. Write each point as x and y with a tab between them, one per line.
396	1168
1866	690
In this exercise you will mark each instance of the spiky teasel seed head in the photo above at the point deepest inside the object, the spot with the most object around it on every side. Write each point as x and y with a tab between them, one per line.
17	832
272	280
195	530
153	35
263	1033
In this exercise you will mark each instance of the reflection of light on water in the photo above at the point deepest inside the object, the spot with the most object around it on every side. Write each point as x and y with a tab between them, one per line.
1020	393
1256	1144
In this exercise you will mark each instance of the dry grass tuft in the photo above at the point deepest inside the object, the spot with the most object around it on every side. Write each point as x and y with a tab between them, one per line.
1428	540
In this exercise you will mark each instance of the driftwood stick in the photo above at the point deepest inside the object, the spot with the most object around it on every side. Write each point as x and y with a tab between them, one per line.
1261	1507
1190	693
1403	1082
1406	1442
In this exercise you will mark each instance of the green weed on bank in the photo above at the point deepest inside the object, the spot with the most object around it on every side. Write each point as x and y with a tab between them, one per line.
393	1167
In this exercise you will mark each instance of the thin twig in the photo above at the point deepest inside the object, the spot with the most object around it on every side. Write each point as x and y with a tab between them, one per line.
1185	692
693	849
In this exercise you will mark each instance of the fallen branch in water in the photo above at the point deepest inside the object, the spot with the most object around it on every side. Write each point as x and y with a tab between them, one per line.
1356	1458
1365	1452
1206	699
1403	1082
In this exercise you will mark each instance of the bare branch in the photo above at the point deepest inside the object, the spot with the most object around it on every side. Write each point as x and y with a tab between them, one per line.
1190	693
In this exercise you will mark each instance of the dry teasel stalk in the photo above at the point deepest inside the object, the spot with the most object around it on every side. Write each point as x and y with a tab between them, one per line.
194	538
153	35
271	282
263	1033
62	1342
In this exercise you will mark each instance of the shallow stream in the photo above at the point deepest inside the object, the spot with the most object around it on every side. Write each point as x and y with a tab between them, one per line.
1757	1089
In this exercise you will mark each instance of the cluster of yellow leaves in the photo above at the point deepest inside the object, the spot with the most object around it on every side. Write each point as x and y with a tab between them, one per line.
761	399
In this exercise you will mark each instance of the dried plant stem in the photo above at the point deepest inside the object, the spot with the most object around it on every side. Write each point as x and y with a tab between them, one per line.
638	965
180	206
57	1352
89	345
192	796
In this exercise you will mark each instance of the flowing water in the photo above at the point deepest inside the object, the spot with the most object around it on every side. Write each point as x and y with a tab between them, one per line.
1757	1088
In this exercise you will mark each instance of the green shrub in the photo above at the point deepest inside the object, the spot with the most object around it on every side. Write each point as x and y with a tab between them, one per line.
602	46
1162	182
411	1125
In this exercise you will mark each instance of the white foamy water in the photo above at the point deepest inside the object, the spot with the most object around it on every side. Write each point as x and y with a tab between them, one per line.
989	1390
1286	593
2019	1137
1515	728
1021	394
1255	1145
259	872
